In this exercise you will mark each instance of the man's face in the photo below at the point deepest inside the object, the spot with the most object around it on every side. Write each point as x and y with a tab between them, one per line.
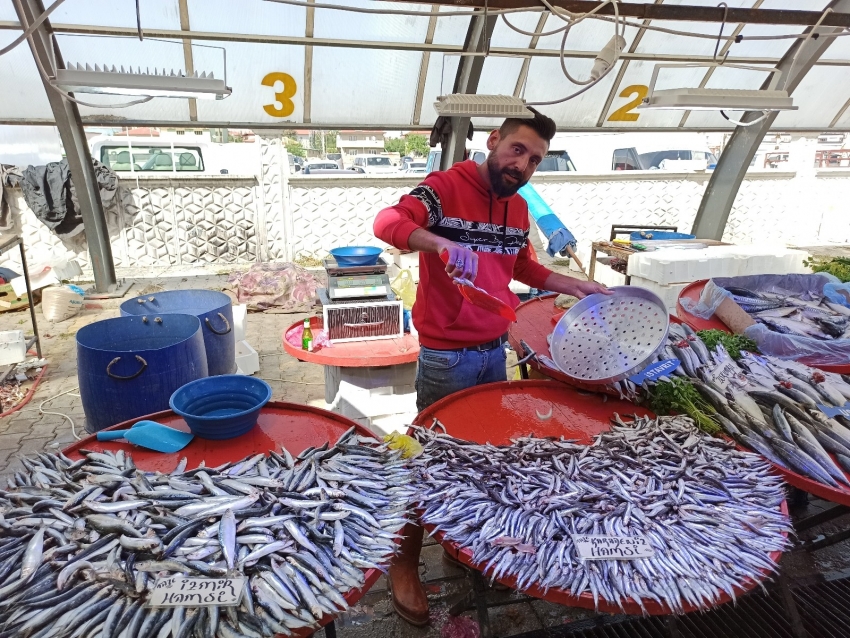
513	159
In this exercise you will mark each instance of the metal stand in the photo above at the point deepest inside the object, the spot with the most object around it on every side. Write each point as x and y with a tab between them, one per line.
34	340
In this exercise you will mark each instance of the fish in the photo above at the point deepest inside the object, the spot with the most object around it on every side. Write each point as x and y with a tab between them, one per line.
92	537
782	424
788	326
518	508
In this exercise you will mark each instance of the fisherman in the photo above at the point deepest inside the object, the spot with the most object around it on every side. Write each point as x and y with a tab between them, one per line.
471	217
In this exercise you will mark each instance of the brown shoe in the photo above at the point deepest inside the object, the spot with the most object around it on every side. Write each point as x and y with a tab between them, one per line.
408	595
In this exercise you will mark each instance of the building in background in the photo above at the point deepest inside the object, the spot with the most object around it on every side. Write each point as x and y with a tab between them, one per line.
351	143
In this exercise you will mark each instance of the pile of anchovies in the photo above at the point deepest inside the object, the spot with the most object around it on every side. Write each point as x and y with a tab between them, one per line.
711	513
82	543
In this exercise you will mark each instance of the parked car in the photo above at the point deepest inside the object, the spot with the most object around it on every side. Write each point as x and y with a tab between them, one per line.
415	167
339	172
634	159
337	158
374	164
316	165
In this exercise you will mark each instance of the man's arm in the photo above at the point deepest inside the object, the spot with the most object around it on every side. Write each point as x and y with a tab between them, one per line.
572	286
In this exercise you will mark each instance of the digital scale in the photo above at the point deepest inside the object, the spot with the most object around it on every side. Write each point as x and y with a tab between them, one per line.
350	283
359	304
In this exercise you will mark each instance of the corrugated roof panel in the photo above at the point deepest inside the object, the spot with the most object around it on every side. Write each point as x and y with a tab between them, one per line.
436	68
588	35
248	66
390	28
820	96
547	82
23	92
264	18
371	86
451	29
155	14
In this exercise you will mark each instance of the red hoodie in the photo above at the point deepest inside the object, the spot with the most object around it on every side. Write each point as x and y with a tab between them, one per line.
458	205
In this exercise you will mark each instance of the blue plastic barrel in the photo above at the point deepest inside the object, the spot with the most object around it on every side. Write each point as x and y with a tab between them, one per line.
212	308
128	367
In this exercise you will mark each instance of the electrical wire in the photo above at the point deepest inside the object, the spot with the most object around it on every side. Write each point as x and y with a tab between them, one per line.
28	395
28	31
41	410
400	12
65	94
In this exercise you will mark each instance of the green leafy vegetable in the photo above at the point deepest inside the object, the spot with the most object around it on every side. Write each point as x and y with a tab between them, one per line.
733	343
838	266
680	396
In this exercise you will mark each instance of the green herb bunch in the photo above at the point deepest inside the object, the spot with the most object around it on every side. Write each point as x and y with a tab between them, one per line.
679	396
733	343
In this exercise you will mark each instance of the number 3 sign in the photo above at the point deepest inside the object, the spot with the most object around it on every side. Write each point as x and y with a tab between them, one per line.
283	97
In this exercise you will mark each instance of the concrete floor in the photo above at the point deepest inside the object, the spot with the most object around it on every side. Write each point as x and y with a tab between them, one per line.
45	424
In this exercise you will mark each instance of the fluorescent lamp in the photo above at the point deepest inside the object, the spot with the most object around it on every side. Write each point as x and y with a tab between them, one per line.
112	81
701	99
473	105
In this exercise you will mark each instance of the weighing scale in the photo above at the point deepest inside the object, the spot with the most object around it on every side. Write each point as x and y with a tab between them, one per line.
357	283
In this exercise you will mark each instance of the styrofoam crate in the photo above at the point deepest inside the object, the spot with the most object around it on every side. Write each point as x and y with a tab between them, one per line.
13	347
669	293
607	276
240	316
247	358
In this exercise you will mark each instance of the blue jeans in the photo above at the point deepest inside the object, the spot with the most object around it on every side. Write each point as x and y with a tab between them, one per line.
444	372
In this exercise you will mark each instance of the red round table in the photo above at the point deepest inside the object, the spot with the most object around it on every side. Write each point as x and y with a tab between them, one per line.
391	364
295	426
513	409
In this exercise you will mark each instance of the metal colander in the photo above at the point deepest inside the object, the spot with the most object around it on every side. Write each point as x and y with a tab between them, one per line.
607	338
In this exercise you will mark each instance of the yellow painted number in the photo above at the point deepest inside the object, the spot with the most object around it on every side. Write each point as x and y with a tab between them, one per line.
624	114
283	97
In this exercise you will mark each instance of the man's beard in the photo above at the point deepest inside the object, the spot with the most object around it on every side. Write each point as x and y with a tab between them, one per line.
497	182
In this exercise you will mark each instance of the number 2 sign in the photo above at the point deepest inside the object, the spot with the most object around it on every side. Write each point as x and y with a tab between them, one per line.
624	113
282	97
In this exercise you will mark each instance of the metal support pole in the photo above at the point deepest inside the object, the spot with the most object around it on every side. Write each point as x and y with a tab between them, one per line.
70	126
466	81
726	179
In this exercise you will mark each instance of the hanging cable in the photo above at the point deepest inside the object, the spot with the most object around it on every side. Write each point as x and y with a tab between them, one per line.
47	80
28	31
139	20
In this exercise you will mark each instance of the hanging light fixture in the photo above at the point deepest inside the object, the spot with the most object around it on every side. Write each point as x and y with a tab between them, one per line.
474	105
161	83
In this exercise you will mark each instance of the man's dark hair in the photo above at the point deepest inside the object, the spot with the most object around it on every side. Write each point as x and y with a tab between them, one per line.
544	126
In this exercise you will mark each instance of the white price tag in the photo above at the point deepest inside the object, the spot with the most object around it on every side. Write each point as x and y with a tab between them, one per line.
728	373
178	591
599	547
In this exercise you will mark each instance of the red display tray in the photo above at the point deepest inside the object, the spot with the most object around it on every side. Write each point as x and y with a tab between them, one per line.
693	292
295	426
510	409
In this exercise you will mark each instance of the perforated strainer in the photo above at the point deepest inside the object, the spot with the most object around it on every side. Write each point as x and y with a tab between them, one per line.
607	338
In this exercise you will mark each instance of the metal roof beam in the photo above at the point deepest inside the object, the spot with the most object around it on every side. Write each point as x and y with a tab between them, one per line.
678	13
466	81
726	179
67	115
188	58
94	30
423	67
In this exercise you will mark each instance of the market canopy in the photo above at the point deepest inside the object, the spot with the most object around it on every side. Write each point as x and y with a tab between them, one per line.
298	65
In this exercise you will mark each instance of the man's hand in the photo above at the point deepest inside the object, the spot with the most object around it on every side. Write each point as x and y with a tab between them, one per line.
572	286
460	262
584	288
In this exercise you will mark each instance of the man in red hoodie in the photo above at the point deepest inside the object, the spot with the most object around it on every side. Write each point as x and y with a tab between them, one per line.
472	214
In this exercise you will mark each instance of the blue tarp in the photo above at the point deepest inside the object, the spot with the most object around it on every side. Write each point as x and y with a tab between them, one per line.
556	233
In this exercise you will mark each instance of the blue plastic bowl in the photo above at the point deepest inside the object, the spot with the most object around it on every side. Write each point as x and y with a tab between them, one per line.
221	407
356	255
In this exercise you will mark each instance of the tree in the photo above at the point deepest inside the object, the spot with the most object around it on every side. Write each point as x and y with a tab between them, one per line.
417	144
395	145
294	147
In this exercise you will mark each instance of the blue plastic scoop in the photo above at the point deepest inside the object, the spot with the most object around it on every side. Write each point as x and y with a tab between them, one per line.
151	435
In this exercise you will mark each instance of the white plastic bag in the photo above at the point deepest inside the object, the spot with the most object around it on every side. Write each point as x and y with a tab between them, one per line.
59	303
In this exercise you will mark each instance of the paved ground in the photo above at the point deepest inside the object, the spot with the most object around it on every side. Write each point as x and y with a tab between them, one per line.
45	423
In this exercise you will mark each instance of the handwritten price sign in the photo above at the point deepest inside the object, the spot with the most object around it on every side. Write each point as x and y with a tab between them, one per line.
177	591
598	547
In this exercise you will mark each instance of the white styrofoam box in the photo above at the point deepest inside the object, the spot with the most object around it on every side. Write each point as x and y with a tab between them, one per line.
247	358
671	265
240	313
405	259
669	293
13	347
370	392
607	276
389	423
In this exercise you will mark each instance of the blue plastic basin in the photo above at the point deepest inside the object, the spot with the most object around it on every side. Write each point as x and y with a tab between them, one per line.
356	255
221	407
